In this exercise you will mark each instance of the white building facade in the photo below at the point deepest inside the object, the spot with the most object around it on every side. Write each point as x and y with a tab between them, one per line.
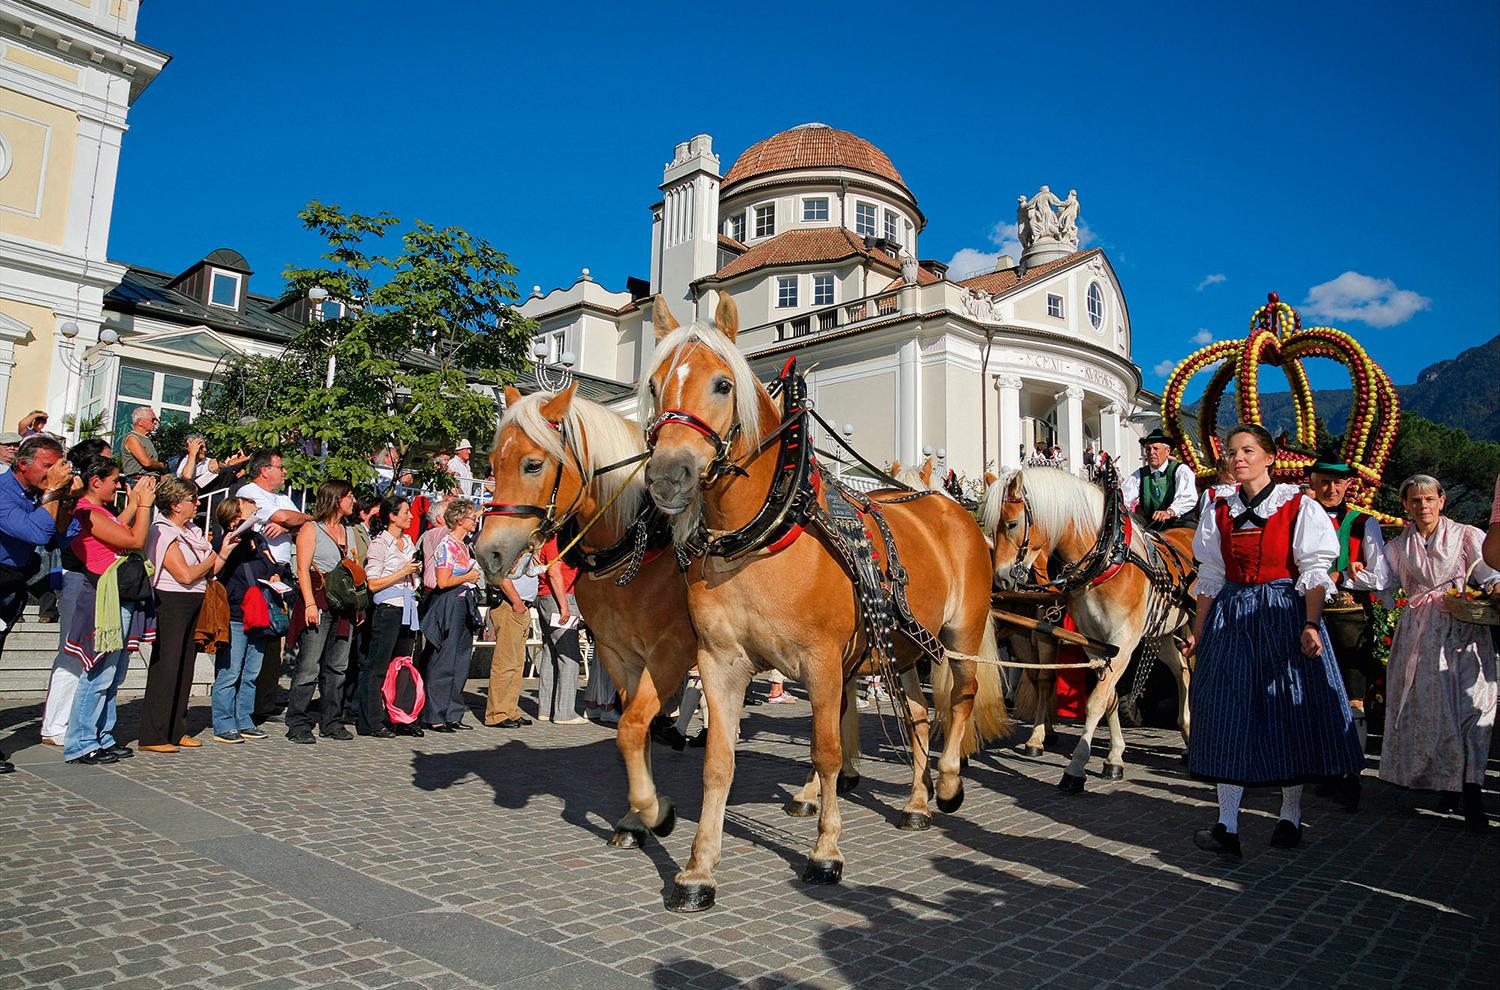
816	236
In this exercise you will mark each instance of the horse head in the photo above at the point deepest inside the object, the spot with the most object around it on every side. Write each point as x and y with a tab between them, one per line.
705	403
539	481
1017	539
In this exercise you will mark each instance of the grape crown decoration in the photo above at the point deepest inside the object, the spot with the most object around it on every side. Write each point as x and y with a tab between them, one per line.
1277	338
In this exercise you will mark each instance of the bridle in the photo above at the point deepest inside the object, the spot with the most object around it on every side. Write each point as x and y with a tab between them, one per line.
551	520
1020	571
723	459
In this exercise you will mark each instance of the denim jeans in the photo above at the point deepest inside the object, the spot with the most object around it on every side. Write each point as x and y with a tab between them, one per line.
91	724
322	659
235	671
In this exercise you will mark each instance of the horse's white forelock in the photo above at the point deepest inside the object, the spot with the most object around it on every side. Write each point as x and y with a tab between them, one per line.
1058	500
599	436
746	386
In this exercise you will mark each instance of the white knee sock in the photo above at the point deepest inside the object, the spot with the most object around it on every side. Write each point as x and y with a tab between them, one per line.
1291	804
1230	796
690	698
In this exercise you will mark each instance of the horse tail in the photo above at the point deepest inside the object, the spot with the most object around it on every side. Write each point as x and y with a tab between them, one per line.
989	719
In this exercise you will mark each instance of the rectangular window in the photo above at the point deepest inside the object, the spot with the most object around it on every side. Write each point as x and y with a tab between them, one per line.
737	227
815	209
892	226
557	344
864	219
1055	306
330	309
765	220
822	286
224	289
173	396
786	292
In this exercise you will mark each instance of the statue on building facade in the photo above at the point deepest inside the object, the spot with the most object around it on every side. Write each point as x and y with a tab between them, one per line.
1044	217
1067	218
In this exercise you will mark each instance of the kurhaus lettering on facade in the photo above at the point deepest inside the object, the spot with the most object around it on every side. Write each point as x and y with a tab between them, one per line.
816	235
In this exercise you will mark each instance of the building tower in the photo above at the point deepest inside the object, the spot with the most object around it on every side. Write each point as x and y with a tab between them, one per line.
686	235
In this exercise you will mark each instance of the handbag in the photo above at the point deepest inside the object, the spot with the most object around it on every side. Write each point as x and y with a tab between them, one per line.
346	587
134	579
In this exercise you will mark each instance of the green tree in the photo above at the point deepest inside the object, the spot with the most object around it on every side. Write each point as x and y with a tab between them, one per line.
1466	467
421	327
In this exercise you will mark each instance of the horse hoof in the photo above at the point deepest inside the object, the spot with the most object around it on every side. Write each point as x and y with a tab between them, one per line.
689	898
624	838
826	871
1113	771
1070	784
1034	751
668	821
949	805
912	821
801	809
846	783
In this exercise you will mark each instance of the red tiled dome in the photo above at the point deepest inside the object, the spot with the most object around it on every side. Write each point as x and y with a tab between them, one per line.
813	146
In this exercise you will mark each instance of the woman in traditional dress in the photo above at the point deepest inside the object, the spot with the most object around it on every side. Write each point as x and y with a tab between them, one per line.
1440	682
1268	701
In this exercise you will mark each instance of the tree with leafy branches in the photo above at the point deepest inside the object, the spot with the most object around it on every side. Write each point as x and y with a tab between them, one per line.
428	330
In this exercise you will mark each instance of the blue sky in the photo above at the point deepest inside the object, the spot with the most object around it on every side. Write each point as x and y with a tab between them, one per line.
1344	155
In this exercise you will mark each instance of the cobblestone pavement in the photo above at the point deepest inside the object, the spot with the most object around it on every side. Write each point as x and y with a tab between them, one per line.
478	859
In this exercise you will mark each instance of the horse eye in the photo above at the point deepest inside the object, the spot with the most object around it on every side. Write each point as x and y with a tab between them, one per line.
1011	524
723	386
532	465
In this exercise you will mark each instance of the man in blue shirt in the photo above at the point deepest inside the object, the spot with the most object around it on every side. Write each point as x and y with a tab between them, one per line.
30	493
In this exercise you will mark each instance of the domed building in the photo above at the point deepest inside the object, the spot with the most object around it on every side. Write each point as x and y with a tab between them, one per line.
816	235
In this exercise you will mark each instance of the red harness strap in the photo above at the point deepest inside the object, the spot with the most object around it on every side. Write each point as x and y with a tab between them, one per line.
1114	569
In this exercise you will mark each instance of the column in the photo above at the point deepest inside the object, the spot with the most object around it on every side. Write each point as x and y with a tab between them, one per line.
1028	436
1009	389
1070	425
1109	429
909	390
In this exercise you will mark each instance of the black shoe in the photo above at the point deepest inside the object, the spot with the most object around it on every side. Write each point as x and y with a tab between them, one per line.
1475	819
380	733
460	726
338	732
96	758
512	723
1286	835
700	740
1347	792
302	736
414	731
1218	839
441	727
6	766
121	751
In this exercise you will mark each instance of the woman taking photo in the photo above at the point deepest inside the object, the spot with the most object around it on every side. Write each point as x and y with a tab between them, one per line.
248	564
325	634
104	650
184	561
449	620
1268	701
392	574
1440	683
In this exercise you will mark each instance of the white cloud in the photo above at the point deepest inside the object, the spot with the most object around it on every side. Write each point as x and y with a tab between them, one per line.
972	261
1203	337
1376	301
1164	368
1086	235
1007	238
1213	279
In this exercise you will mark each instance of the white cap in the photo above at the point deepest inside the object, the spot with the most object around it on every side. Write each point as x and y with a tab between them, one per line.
464	445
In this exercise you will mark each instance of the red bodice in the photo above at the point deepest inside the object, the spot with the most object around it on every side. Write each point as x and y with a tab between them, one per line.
1261	554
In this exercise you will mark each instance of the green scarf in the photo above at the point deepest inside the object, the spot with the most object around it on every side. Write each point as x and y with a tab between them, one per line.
108	634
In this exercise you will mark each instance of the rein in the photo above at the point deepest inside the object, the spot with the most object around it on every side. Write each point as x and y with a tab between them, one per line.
1110	552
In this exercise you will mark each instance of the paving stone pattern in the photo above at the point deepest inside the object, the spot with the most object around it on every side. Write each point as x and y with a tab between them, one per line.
479	860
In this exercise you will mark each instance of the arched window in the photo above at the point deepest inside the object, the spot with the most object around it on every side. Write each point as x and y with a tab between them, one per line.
1096	305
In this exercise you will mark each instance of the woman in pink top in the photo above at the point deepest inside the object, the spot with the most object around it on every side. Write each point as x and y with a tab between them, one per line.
184	561
101	539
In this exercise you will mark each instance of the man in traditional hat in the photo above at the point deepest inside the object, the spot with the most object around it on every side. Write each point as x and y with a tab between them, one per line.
1162	491
1359	572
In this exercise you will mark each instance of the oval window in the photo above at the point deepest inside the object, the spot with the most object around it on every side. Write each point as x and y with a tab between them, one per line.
1096	305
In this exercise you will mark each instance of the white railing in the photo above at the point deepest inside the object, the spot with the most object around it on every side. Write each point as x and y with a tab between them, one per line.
836	317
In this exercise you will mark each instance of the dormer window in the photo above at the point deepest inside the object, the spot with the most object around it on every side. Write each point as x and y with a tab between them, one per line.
864	219
815	209
737	226
330	309
765	220
786	292
224	289
1055	306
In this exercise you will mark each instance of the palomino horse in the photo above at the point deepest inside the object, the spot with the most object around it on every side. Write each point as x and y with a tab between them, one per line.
790	604
547	457
1046	517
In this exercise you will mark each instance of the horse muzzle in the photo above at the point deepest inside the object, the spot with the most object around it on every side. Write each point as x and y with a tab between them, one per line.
672	481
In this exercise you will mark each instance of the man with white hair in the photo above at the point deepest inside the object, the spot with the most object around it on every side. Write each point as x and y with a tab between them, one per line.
458	464
1163	491
141	457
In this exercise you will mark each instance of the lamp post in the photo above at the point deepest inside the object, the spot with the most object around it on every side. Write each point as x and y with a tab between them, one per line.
551	378
316	296
83	366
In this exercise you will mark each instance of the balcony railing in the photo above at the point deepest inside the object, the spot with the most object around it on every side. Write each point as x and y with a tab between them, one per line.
837	317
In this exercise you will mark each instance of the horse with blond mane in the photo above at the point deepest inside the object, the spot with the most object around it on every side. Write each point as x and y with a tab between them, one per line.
784	598
1132	590
560	460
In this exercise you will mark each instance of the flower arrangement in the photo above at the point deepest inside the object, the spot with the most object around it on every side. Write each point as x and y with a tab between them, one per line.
1278	338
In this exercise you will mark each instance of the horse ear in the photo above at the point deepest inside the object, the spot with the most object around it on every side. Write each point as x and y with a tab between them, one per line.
1015	488
926	472
512	396
727	316
990	478
661	315
555	408
895	468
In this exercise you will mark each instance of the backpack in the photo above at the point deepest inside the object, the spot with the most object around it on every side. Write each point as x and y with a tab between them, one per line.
346	587
403	692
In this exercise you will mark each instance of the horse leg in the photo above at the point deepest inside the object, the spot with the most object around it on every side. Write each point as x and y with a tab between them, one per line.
724	684
1114	763
1173	658
826	864
917	815
649	811
1101	701
960	708
1046	653
804	804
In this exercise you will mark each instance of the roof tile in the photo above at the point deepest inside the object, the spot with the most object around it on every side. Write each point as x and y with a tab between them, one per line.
812	146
